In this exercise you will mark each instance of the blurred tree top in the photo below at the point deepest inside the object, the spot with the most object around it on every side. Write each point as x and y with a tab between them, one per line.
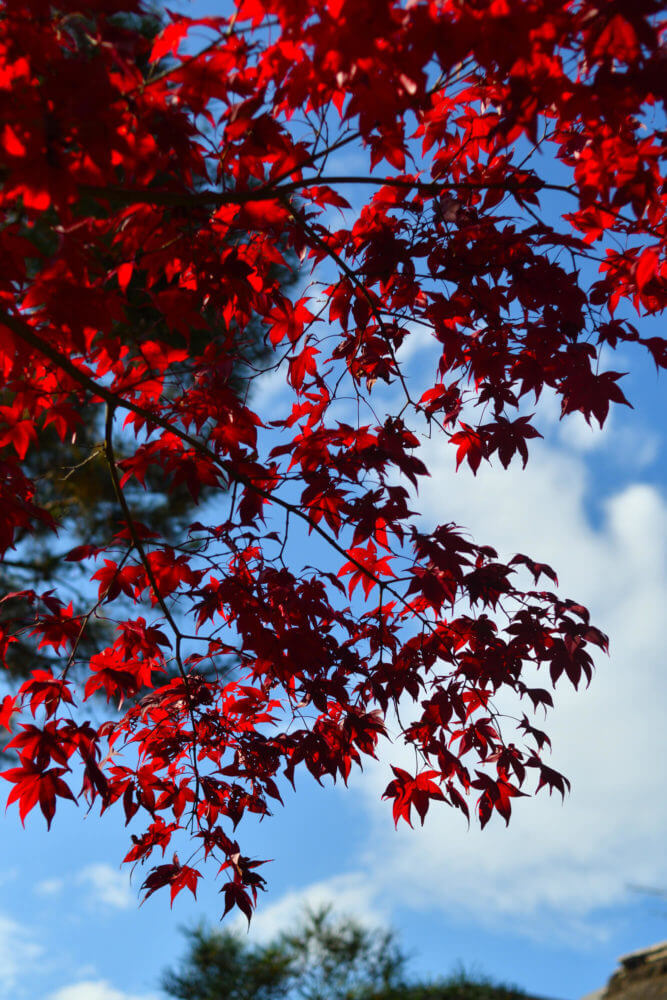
321	958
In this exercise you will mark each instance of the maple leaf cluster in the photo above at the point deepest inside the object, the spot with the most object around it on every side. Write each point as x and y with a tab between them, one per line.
513	209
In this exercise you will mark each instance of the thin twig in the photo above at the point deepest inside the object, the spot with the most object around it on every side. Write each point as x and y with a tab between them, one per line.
138	544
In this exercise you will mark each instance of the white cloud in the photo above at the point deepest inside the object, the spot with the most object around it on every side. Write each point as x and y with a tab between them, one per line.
577	434
104	885
626	441
419	338
350	894
107	885
17	950
50	887
95	989
556	864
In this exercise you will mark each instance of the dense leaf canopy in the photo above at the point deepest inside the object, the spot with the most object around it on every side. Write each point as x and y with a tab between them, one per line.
488	172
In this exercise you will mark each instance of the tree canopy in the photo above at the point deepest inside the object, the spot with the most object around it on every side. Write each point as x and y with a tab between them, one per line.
74	482
321	957
487	172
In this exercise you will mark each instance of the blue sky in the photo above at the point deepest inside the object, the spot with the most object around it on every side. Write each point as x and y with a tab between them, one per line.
546	903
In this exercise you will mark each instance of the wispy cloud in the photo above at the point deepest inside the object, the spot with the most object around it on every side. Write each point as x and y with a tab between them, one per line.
17	950
50	887
96	989
101	883
349	894
108	886
629	443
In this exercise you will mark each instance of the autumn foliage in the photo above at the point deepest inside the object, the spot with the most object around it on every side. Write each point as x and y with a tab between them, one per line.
509	202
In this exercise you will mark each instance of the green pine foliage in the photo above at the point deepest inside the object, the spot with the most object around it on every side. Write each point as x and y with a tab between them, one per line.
321	958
